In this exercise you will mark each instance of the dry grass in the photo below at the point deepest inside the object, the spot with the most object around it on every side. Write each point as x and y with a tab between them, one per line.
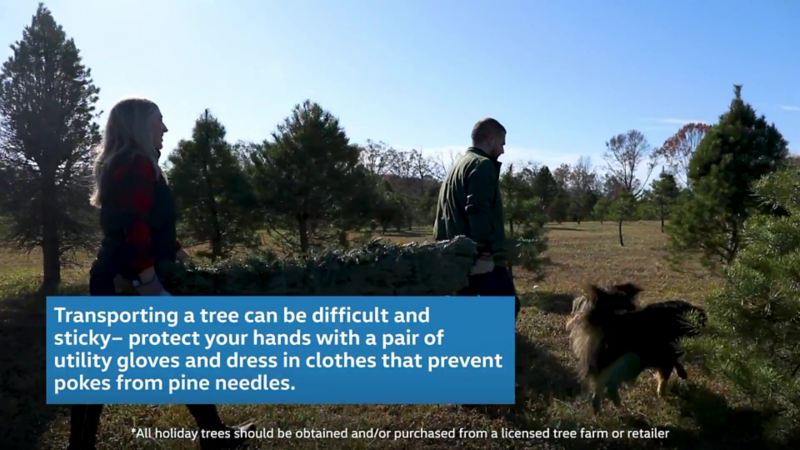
700	413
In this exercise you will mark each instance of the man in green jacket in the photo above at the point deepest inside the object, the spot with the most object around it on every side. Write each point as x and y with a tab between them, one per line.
470	204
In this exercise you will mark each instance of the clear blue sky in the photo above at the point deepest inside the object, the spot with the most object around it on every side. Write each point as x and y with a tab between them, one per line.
563	76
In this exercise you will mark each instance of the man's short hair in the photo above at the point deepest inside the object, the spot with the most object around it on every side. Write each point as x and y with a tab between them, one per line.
486	128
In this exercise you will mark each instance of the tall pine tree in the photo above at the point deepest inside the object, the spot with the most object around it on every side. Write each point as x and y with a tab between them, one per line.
735	153
309	181
47	132
214	196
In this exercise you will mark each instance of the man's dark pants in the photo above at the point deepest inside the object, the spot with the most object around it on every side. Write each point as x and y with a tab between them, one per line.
495	283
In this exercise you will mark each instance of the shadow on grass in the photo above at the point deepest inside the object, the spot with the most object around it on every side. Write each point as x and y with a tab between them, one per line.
718	425
541	374
549	302
563	228
22	368
540	378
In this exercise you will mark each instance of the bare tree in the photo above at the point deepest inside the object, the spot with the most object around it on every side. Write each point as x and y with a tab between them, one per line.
583	187
421	167
561	175
625	154
377	157
583	178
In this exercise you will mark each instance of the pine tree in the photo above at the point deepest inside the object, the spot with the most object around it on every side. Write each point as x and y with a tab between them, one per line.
621	209
520	206
546	188
309	181
755	316
601	209
47	132
735	152
214	196
665	193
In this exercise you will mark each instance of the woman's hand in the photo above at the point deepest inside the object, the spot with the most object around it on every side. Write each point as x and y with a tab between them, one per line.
149	284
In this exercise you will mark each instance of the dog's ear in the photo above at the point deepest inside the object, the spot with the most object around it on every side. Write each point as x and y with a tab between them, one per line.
633	288
593	292
629	289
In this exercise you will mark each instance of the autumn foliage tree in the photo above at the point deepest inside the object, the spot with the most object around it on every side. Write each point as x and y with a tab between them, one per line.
678	150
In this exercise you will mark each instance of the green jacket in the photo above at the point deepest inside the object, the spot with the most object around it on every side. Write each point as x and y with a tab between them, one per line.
470	204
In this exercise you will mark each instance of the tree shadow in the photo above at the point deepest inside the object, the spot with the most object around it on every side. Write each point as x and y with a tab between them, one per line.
540	372
26	416
549	302
564	228
718	425
540	378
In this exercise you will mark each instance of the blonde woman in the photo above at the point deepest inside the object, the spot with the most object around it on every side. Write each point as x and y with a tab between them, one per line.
137	217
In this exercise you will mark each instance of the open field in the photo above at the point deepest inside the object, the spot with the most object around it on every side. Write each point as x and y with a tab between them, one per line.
700	413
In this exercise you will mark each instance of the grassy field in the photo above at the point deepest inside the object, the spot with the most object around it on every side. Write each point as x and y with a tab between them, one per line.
700	413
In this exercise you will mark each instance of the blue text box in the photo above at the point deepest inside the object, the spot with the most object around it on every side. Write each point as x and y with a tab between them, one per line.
476	331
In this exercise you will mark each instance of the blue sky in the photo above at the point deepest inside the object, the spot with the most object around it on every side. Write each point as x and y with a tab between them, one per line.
562	76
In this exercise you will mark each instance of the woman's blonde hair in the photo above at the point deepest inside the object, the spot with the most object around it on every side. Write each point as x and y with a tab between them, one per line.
128	131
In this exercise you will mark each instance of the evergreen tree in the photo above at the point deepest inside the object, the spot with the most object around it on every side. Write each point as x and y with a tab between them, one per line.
212	192
735	152
581	204
755	316
601	209
520	206
621	209
647	206
47	133
390	211
523	211
559	209
665	193
308	179
546	188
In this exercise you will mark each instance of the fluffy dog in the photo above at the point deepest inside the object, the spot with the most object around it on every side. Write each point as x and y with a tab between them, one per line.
615	340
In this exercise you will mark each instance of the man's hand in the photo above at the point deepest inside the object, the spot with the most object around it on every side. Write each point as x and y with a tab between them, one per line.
122	285
484	264
182	256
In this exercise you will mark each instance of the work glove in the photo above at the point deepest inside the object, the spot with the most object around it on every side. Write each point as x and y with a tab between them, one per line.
484	264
